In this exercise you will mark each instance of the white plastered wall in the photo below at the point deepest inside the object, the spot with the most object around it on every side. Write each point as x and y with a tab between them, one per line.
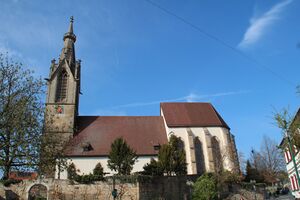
87	164
222	135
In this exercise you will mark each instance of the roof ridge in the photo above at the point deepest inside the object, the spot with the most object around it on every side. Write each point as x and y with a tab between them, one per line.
117	116
221	120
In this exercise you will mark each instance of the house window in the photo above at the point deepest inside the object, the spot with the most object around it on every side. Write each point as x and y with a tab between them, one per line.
294	182
288	156
62	85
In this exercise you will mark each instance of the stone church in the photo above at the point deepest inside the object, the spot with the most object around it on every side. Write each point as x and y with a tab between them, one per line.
207	140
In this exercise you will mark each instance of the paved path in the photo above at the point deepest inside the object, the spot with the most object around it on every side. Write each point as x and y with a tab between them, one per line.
284	197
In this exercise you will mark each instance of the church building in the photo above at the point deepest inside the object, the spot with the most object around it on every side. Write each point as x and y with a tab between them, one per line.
207	140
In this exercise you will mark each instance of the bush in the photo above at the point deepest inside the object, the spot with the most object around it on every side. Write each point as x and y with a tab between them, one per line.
230	177
205	188
85	178
152	169
9	182
71	170
97	174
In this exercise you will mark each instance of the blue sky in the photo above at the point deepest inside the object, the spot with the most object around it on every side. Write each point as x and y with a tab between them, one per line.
135	55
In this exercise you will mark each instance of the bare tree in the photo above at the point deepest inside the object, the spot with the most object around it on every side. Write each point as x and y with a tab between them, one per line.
272	159
269	161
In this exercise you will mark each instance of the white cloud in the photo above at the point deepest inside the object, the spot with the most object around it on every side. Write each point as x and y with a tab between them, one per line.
192	97
259	25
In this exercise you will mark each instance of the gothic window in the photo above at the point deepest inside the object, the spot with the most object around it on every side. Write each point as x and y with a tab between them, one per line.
62	86
200	162
218	160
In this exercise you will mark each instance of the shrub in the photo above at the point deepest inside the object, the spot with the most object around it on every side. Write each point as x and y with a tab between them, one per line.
152	168
71	170
9	182
205	188
97	174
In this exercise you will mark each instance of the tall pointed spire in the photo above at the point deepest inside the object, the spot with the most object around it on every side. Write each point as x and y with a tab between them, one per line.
68	51
71	24
70	33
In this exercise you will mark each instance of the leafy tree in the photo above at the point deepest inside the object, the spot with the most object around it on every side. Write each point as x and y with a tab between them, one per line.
153	168
98	171
165	160
289	125
178	155
205	188
72	172
21	116
121	157
171	159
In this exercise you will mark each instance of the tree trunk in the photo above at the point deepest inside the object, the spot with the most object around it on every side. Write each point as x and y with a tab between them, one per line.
6	172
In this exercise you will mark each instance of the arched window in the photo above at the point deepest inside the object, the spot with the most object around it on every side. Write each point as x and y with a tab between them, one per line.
37	191
218	159
200	162
62	86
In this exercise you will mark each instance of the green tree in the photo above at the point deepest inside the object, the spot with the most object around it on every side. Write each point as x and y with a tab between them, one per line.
178	155
171	159
72	172
205	188
152	168
289	125
165	160
98	172
21	116
121	157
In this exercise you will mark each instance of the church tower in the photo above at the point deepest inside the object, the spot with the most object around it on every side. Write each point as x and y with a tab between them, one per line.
63	91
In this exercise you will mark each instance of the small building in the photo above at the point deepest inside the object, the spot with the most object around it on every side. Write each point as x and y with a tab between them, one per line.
292	158
207	140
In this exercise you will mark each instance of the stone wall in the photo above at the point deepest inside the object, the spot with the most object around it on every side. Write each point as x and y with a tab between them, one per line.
144	188
66	190
175	188
129	188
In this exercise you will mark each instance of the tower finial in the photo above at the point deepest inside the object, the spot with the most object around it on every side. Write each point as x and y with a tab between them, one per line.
71	25
70	33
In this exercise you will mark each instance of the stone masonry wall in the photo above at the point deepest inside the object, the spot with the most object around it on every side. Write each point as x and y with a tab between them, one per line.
66	190
132	188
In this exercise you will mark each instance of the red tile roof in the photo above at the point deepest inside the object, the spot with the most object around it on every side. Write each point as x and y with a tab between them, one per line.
141	133
191	115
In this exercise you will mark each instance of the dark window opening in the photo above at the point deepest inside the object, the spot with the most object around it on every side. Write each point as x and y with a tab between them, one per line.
62	85
86	146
